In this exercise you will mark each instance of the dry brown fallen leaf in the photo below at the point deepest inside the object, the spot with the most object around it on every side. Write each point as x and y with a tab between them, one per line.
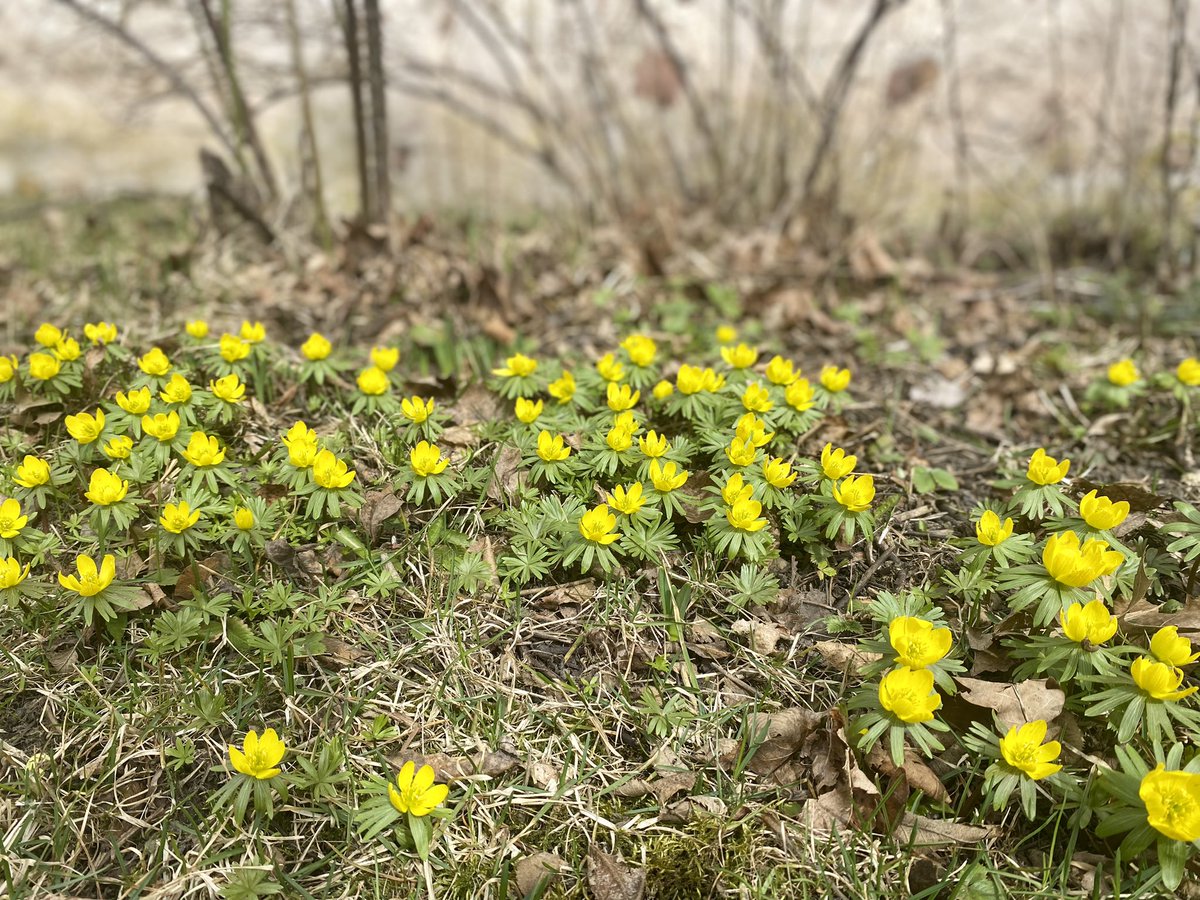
915	772
783	734
377	508
609	878
843	657
763	635
1147	617
538	870
923	831
1014	704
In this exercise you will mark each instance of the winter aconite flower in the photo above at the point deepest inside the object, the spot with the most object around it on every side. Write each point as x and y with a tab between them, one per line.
100	332
48	335
667	477
781	371
44	366
743	356
835	380
135	402
204	450
1070	564
32	472
745	515
243	518
1172	802
228	389
105	488
918	644
176	391
1159	680
1169	647
855	492
155	363
330	472
778	473
233	348
562	389
517	366
119	447
622	397
799	395
161	426
990	531
85	427
302	445
426	459
1045	469
627	500
258	758
11	520
527	411
1022	749
835	463
8	368
1091	622
90	580
1188	371
689	380
385	358
551	447
1101	513
373	381
610	368
736	490
908	694
756	398
654	445
1123	373
663	390
619	438
599	526
726	334
741	452
178	518
416	409
641	350
252	332
414	792
11	573
316	348
67	349
197	328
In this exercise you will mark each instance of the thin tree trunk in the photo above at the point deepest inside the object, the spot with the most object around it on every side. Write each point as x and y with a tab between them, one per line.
366	203
321	223
380	143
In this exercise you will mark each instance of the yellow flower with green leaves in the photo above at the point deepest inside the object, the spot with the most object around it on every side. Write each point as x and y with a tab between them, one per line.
426	459
619	438
667	477
599	525
48	335
105	488
1159	681
918	644
8	368
119	447
1123	373
228	389
331	473
1091	622
32	472
855	493
663	390
689	380
908	694
527	411
373	381
11	573
563	389
1172	802
726	334
654	445
176	391
799	395
1170	647
743	356
517	366
385	358
243	518
836	463
68	349
1077	566
778	472
90	579
1045	469
178	517
641	350
610	368
835	380
552	447
11	519
100	332
258	758
197	328
621	397
781	371
753	430
1026	749
990	531
746	515
627	500
1188	371
44	366
741	452
1101	513
161	426
736	490
416	409
316	347
85	427
136	402
204	450
756	398
415	792
233	348
155	362
302	445
252	332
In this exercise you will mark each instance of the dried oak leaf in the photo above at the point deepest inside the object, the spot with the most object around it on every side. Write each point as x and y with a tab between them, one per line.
783	734
609	878
537	871
1014	704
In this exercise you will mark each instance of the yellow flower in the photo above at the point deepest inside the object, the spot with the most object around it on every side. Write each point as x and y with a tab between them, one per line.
855	493
799	395
155	362
527	411
178	519
627	500
1045	469
517	366
161	426
11	573
622	397
726	334
551	448
44	366
302	446
1076	566
135	402
316	348
259	758
1092	623
176	391
610	368
416	409
426	459
233	348
373	381
119	447
1188	371
619	438
1158	680
252	332
663	390
91	580
917	643
105	488
85	427
741	452
756	399
908	694
736	490
1101	513
204	450
745	516
781	371
1169	647
32	472
197	328
100	332
989	530
385	358
599	526
243	518
835	380
229	389
67	349
11	520
1023	750
753	430
563	389
8	368
1172	803
654	445
666	478
689	380
414	792
1123	373
641	350
835	463
48	335
778	473
743	356
331	473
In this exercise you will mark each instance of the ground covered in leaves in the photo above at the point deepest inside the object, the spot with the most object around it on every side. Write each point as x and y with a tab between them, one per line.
675	724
